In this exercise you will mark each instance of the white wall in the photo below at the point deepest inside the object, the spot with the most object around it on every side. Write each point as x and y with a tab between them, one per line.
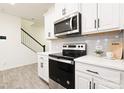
12	52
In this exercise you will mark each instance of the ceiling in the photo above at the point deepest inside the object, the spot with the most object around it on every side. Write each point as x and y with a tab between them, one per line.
31	11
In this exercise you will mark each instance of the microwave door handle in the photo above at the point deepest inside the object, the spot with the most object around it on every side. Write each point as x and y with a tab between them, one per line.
71	23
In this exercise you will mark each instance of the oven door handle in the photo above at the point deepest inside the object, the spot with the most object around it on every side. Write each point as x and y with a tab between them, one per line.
62	60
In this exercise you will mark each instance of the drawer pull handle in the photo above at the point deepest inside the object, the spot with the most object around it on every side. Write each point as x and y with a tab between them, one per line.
41	65
94	86
94	23
92	71
90	85
98	22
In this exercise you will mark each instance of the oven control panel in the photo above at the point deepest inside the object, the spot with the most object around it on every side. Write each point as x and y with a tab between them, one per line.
79	46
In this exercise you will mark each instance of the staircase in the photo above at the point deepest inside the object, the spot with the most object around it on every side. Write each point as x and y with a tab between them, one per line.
31	42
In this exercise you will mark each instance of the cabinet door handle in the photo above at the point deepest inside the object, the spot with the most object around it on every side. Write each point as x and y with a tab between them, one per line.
63	11
94	85
49	34
92	71
98	22
90	85
42	65
94	23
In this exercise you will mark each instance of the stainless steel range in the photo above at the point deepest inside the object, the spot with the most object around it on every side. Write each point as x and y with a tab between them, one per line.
62	66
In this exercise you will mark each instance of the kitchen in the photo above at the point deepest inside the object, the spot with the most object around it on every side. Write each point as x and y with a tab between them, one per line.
86	46
78	46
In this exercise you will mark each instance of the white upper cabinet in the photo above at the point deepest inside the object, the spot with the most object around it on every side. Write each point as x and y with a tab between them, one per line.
49	18
58	10
122	16
89	17
72	7
100	17
63	9
108	16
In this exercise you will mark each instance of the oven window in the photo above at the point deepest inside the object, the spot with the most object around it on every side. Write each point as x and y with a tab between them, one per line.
64	67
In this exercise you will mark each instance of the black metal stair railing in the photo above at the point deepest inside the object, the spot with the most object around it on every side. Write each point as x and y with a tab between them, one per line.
31	42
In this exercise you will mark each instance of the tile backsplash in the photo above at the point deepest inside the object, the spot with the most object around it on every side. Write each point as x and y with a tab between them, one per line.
91	40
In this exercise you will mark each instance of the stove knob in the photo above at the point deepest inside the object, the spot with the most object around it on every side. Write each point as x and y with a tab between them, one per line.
68	82
64	46
82	46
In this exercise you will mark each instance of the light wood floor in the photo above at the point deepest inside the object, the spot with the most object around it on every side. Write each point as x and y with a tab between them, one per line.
24	77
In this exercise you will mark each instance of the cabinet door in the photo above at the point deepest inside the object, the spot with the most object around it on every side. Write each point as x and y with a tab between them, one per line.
40	66
58	10
47	26
102	84
46	69
121	16
43	67
89	18
64	9
72	7
108	16
49	23
83	81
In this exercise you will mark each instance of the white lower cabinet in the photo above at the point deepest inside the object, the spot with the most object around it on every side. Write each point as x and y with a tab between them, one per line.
93	77
64	9
43	67
83	81
102	84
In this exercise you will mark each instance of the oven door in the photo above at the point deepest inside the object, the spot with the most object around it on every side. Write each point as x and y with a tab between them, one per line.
62	73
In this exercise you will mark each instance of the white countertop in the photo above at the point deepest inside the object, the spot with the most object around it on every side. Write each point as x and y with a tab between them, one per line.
45	53
101	61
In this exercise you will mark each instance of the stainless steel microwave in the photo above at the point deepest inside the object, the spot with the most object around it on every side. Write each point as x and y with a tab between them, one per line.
68	25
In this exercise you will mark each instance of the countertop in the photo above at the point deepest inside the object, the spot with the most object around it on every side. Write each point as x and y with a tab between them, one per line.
102	61
45	53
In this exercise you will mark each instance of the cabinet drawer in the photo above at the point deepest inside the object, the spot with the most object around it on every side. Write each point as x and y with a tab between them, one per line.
104	73
40	58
